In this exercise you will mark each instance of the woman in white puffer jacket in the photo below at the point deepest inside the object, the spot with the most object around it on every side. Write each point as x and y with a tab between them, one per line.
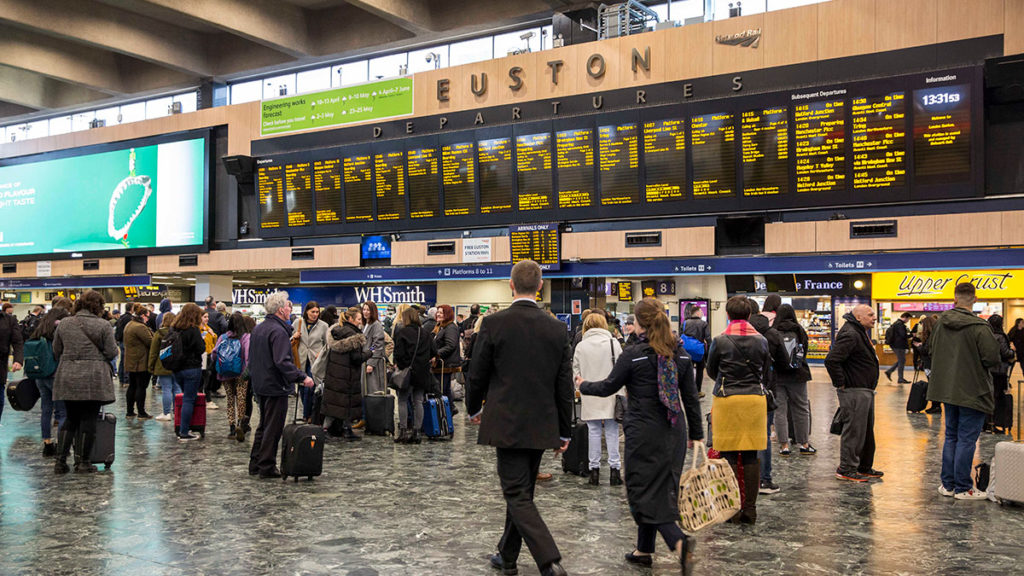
595	355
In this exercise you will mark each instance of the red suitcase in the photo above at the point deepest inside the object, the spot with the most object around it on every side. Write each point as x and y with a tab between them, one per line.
198	414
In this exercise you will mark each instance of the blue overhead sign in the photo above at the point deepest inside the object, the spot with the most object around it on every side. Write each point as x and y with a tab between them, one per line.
818	263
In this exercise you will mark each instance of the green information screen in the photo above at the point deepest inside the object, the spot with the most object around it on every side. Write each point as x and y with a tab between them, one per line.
144	197
360	103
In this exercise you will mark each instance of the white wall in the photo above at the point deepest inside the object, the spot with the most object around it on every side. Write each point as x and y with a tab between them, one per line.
456	292
690	287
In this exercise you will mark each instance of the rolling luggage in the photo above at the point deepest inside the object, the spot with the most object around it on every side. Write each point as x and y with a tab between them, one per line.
1003	415
103	446
302	449
437	418
198	414
918	399
1007	484
378	411
23	394
576	458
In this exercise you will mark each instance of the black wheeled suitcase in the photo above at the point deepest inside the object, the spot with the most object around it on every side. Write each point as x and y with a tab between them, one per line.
918	399
103	446
302	449
23	394
1003	415
576	458
378	411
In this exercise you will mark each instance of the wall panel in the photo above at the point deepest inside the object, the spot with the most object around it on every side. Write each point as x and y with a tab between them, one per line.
790	36
958	20
331	256
904	24
846	28
789	237
727	59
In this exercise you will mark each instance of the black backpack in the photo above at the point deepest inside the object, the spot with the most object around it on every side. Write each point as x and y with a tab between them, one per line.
890	333
28	325
172	351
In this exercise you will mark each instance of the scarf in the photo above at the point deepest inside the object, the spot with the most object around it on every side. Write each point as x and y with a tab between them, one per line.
668	387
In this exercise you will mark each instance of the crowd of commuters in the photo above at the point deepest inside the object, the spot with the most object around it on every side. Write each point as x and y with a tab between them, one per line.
518	368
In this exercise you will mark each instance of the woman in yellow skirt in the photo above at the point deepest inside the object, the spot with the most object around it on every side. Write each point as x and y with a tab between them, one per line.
738	361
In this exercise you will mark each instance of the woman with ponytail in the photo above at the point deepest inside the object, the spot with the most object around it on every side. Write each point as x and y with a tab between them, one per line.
739	362
663	406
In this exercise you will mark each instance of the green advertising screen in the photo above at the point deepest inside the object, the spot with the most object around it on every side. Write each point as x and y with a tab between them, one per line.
337	107
145	197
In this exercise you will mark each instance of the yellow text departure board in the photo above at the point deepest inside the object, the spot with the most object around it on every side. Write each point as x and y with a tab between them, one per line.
298	193
619	153
271	193
497	193
878	134
458	179
358	171
575	164
713	138
327	190
423	184
765	148
389	168
533	167
665	159
820	129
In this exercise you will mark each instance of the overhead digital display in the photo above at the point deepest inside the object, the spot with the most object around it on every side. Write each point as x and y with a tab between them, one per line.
820	146
537	242
327	190
533	165
878	131
389	181
298	193
713	138
942	134
575	164
140	196
359	191
619	153
458	179
765	151
809	148
497	193
665	159
423	184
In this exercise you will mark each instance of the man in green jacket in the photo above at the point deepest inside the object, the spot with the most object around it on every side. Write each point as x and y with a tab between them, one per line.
963	350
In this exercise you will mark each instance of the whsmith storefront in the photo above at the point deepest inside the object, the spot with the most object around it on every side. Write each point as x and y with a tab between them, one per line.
924	293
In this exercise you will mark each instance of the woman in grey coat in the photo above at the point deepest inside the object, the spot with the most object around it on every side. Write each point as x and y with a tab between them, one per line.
376	365
311	334
83	346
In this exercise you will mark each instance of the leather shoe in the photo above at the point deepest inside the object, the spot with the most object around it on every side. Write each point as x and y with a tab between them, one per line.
554	569
275	473
507	568
543	476
641	559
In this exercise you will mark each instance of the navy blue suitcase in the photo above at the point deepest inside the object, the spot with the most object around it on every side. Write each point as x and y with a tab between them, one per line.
437	417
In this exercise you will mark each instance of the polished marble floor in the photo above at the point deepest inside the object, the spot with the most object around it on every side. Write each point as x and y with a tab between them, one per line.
380	508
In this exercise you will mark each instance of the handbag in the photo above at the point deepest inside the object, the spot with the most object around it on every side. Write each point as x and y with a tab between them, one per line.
708	492
837	423
621	403
769	396
401	379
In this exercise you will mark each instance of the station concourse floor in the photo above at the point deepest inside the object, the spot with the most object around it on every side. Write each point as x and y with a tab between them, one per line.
381	508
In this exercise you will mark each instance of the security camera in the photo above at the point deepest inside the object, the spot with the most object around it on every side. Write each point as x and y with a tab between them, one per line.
527	35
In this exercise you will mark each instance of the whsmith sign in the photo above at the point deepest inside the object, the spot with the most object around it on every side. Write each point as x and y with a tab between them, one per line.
342	295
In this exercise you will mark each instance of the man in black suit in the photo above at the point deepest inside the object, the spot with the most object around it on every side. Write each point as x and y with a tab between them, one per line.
522	367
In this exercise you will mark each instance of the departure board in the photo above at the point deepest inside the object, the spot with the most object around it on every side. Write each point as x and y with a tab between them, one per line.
878	133
497	193
537	242
713	138
358	171
271	192
625	290
298	193
764	136
423	184
942	134
533	166
619	156
820	129
575	164
458	179
327	190
665	160
389	183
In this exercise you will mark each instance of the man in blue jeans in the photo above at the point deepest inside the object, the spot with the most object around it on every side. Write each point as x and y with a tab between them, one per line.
963	351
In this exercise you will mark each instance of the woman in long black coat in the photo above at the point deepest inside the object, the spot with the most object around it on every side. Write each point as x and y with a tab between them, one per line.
655	435
414	347
343	394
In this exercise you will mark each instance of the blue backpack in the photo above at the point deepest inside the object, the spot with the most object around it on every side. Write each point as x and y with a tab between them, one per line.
228	357
39	360
693	347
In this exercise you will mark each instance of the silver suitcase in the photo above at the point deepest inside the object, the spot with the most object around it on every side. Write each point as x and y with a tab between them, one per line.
1008	464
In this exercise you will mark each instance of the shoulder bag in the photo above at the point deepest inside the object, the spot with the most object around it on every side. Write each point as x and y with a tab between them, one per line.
621	403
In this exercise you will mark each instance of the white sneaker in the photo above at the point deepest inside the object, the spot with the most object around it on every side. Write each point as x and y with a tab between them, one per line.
211	406
944	492
163	417
971	495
